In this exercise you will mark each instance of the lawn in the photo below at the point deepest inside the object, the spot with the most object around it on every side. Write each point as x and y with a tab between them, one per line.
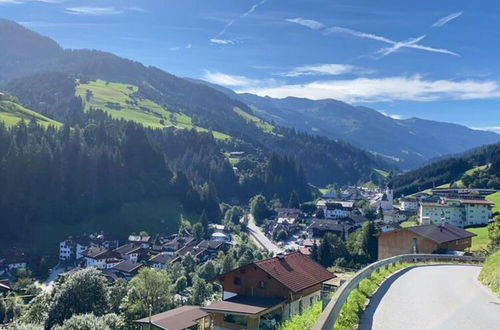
495	198
408	223
480	241
153	216
120	102
264	126
12	113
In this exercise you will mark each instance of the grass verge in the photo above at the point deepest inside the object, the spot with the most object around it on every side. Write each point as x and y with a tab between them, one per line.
490	274
351	312
305	320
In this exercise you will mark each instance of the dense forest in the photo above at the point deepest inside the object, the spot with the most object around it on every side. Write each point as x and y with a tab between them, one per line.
453	169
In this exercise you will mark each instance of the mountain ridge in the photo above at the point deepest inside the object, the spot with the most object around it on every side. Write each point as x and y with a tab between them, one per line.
408	142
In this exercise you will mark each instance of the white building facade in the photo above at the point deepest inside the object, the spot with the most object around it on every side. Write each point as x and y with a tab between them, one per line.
458	212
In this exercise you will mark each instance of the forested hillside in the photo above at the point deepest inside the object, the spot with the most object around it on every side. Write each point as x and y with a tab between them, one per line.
463	168
155	98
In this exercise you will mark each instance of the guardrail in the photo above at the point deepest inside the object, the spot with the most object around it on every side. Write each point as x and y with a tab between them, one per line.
332	310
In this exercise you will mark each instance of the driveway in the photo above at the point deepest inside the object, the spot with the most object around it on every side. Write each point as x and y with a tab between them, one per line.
433	297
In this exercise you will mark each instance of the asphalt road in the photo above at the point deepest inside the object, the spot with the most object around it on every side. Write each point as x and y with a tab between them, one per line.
257	234
433	297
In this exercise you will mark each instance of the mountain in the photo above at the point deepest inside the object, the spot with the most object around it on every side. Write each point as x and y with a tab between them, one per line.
60	81
409	143
476	168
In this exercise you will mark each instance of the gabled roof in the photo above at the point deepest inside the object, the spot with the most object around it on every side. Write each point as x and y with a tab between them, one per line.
176	319
442	233
295	271
242	304
161	259
128	266
128	248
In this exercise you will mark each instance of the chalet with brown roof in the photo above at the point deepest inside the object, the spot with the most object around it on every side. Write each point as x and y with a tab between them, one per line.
262	294
423	239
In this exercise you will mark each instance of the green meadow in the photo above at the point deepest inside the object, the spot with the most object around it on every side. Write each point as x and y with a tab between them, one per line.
120	101
12	113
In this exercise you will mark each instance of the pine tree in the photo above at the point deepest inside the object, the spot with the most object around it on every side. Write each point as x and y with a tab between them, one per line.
293	202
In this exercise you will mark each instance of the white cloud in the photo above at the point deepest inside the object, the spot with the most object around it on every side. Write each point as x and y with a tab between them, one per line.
495	129
224	79
245	14
320	70
217	41
386	89
94	11
446	19
312	24
410	43
393	116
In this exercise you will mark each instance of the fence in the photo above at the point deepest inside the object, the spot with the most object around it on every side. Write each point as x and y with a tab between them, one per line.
332	310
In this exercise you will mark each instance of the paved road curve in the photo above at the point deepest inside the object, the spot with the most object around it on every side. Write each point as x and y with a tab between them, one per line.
257	234
433	297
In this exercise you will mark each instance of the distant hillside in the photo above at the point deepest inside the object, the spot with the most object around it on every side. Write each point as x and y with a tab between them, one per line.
11	113
408	143
58	84
478	168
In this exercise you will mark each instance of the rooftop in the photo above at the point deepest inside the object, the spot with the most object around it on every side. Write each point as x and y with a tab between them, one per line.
295	271
440	233
128	266
241	304
176	319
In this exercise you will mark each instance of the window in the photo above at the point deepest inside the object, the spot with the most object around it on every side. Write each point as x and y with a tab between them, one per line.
236	319
237	281
262	284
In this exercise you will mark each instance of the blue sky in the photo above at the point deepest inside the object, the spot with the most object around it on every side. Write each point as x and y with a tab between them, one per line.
429	59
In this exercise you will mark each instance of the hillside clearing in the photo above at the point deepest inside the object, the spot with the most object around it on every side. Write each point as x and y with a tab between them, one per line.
264	126
121	102
12	113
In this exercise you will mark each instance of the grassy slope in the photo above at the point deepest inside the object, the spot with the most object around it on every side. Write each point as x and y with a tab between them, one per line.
12	113
105	95
153	216
264	126
490	274
480	241
459	183
495	198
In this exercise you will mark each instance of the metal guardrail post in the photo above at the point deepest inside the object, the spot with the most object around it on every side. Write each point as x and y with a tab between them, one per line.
331	312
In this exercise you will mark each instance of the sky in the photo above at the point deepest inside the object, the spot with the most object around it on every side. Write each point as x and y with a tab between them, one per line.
435	60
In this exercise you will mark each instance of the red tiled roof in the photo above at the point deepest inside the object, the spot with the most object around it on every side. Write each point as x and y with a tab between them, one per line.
295	271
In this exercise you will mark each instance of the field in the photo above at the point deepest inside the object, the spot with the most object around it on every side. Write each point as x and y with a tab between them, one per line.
495	198
120	102
12	113
383	173
154	216
264	126
480	241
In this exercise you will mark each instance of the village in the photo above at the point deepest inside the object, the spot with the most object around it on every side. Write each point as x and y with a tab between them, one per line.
286	274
